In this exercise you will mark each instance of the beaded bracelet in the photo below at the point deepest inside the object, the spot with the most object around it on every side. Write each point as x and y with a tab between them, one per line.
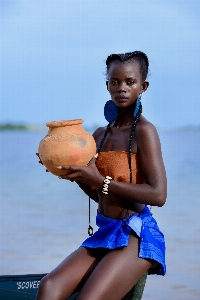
106	183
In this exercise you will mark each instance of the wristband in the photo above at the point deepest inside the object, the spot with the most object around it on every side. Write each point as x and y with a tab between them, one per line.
106	183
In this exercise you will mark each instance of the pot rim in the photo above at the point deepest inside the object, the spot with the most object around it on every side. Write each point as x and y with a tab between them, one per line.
64	123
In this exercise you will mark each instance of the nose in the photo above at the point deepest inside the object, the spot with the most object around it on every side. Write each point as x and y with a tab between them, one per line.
121	87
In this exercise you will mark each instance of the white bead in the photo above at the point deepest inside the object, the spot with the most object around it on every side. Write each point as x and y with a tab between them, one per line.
106	181
105	185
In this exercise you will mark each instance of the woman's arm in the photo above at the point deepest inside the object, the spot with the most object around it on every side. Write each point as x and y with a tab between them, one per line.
154	192
88	191
85	187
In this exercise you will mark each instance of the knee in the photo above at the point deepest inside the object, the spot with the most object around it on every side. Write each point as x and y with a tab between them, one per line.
44	285
45	289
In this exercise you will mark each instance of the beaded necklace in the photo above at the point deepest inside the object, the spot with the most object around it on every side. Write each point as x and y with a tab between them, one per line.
90	229
130	139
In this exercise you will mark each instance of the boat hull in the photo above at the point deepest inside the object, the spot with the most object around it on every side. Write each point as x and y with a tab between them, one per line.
25	287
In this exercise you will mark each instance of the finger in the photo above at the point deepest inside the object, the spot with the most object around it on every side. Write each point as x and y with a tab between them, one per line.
72	177
68	168
92	161
40	162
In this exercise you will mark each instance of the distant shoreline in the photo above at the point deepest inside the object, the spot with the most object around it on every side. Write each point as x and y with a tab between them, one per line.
21	127
9	126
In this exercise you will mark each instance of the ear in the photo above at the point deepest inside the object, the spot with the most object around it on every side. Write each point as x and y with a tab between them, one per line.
144	86
107	84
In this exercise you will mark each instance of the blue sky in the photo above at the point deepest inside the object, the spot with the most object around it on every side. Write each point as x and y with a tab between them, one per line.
53	58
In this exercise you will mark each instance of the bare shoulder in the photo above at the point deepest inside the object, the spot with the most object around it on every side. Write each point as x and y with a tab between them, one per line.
98	133
145	127
147	135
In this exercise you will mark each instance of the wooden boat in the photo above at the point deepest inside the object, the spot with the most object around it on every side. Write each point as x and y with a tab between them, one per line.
24	287
19	287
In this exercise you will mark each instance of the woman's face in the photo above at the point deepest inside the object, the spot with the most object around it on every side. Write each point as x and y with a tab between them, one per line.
124	83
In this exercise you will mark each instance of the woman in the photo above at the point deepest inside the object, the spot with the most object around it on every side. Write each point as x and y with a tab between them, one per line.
124	177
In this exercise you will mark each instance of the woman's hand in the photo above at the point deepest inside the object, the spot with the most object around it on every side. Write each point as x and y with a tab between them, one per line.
40	162
88	174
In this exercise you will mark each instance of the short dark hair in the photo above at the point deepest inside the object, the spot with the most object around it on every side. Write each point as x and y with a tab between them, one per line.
136	56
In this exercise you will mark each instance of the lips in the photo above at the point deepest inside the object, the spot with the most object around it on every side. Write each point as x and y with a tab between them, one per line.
121	99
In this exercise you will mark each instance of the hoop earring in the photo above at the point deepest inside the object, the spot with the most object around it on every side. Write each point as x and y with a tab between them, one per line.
137	106
110	111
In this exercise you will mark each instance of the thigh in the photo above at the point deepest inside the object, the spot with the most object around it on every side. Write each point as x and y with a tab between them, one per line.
115	274
69	275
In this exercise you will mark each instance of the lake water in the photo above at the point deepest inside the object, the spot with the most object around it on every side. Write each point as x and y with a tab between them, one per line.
43	218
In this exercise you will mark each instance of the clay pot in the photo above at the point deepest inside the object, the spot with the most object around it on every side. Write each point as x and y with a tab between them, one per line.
66	144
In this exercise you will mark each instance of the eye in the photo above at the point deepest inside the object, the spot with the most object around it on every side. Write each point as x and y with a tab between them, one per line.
113	82
130	82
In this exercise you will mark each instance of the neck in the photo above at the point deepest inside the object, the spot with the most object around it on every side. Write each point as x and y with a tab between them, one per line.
125	117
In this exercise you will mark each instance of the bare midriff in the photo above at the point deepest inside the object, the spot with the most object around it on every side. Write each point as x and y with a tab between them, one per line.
116	165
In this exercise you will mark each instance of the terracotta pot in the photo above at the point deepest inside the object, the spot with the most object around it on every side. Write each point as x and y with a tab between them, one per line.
66	144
